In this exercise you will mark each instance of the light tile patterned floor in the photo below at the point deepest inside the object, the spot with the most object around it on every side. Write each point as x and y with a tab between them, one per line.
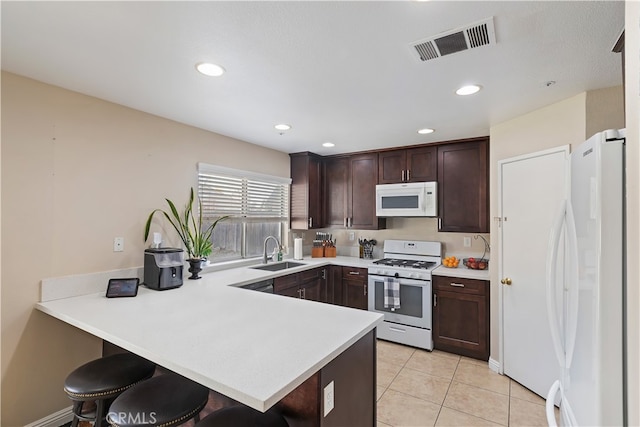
422	388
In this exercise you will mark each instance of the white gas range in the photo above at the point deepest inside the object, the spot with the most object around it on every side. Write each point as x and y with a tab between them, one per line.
408	263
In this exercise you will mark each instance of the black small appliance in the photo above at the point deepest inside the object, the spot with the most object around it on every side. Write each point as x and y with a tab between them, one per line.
163	268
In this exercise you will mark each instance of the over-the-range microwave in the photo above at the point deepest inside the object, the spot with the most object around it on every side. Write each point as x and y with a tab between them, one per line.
407	199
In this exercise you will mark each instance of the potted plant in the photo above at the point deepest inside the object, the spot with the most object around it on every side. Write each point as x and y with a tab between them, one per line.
196	239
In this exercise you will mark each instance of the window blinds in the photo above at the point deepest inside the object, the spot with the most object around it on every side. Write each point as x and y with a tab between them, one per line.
226	191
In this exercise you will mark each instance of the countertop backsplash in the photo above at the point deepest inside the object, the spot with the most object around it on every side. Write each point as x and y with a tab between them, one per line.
398	228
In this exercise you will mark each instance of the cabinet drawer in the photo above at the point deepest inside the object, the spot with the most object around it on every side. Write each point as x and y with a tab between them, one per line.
354	273
458	284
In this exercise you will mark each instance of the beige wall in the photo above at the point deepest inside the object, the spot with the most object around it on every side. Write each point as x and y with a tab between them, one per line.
77	172
632	100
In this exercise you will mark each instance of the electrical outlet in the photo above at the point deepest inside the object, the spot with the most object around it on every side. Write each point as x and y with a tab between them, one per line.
467	242
352	236
328	398
118	244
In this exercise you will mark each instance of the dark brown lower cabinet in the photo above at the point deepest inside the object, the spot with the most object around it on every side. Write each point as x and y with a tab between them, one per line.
308	284
354	287
461	316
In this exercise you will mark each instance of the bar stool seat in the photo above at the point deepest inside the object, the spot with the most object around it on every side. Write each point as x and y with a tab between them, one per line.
102	380
165	400
236	416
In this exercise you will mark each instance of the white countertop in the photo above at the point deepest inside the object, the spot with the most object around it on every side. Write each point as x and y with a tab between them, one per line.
461	271
251	346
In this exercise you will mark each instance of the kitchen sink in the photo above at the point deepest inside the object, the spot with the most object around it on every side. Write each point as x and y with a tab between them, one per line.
278	266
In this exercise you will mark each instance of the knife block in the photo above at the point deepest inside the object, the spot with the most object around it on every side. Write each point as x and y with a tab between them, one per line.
317	252
330	251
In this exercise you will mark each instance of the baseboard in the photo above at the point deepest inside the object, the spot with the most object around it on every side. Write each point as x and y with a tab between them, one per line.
494	365
56	419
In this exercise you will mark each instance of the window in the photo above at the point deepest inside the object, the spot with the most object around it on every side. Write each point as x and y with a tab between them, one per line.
258	205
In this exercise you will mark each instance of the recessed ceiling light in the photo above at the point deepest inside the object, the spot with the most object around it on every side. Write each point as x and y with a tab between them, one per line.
425	131
283	126
328	144
468	90
209	69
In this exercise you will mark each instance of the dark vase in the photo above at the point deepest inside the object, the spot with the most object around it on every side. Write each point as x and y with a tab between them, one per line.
195	268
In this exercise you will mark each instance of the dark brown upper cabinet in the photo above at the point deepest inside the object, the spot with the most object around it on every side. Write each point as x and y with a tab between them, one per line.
407	165
463	186
306	191
350	192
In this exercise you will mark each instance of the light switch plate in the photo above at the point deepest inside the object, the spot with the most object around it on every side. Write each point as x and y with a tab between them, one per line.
328	398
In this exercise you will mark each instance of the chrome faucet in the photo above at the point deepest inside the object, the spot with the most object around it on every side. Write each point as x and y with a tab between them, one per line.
265	259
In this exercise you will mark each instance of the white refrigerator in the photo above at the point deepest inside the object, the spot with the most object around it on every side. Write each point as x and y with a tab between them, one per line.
585	288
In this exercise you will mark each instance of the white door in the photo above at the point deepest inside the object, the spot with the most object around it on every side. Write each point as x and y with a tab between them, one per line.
531	188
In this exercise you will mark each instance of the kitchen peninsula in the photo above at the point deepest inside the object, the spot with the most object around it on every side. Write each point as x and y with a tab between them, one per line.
256	348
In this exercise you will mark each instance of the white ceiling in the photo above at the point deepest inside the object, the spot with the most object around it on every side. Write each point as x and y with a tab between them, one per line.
336	71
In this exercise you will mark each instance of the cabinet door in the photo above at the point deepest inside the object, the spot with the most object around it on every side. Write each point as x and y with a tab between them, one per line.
306	191
334	284
422	164
312	290
463	191
336	178
362	193
312	284
354	293
391	166
460	323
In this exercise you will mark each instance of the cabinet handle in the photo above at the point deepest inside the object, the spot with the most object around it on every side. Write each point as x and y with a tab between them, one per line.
324	274
457	285
365	289
310	222
439	223
408	174
403	175
354	273
345	222
435	300
300	293
304	293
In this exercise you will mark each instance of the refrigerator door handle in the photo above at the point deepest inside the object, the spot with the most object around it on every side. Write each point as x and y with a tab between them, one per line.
573	285
552	265
549	405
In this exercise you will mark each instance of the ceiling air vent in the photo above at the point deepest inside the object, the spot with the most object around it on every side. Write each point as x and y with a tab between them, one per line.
471	36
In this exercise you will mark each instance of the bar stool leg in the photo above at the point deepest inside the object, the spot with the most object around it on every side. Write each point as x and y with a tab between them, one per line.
77	409
99	412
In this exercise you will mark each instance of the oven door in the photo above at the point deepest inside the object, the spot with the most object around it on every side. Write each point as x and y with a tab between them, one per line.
415	301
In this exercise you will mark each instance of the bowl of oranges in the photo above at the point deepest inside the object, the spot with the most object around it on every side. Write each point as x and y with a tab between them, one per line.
450	262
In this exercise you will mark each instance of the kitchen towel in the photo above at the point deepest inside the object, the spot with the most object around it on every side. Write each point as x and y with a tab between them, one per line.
297	248
391	290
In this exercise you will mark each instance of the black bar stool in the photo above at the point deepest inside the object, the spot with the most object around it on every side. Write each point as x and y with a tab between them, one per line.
102	380
164	400
243	416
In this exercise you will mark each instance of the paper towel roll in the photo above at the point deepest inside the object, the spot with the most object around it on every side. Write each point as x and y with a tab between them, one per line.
297	248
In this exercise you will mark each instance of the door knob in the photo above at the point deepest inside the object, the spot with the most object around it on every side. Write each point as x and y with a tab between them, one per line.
506	281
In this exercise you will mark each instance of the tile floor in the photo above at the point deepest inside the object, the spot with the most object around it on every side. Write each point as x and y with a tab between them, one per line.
421	388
